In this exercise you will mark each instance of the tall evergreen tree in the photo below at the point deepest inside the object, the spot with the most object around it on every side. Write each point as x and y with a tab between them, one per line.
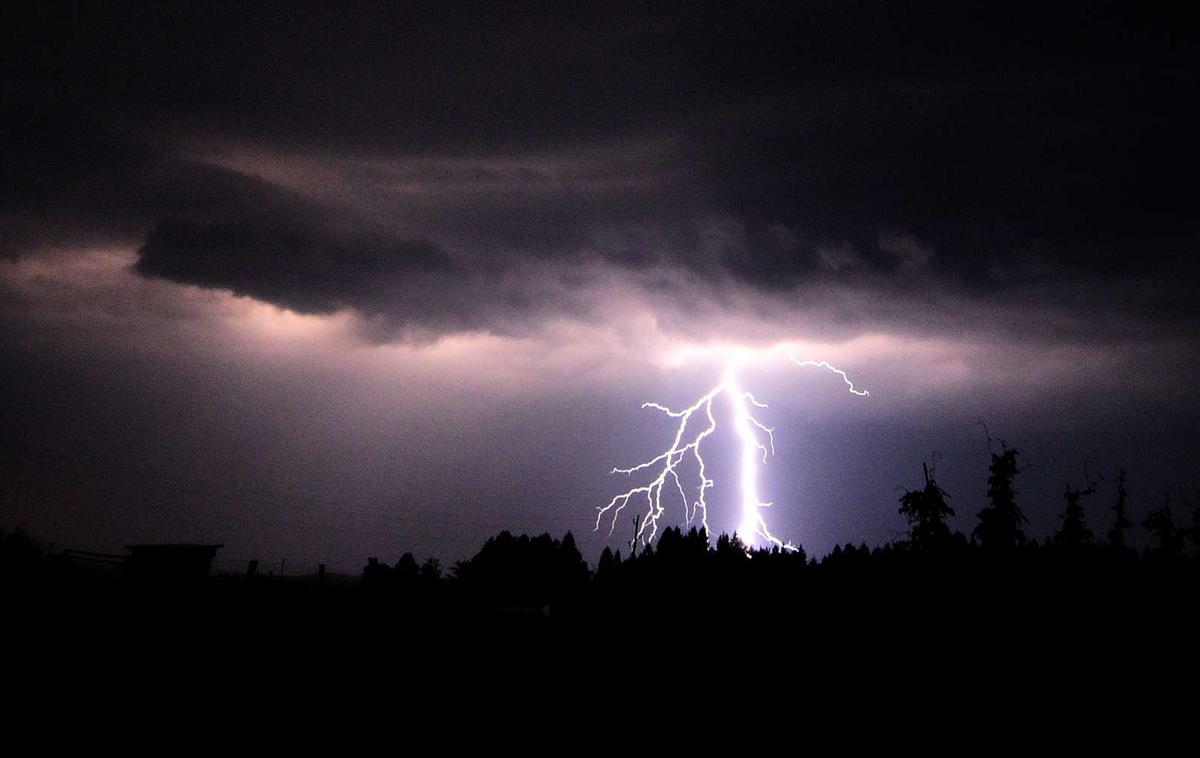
926	512
1162	525
1000	523
1074	532
1121	522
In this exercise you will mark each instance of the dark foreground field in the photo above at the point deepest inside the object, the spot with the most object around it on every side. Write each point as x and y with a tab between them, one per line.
768	613
864	645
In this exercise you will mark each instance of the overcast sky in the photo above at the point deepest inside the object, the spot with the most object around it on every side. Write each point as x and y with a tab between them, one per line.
321	282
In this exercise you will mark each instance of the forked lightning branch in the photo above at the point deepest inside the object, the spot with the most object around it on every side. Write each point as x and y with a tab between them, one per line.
695	424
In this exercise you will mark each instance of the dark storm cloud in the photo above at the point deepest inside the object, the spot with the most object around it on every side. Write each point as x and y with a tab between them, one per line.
973	152
309	270
75	178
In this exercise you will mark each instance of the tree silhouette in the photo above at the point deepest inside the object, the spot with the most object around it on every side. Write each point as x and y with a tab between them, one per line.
730	550
376	575
608	563
431	572
1162	525
1121	522
1074	532
926	512
1191	533
1000	523
407	570
524	572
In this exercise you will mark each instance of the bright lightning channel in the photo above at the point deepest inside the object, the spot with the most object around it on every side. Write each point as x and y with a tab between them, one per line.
756	442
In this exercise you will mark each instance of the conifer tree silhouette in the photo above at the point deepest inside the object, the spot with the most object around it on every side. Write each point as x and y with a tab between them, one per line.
1074	532
1121	522
926	512
1162	525
1000	523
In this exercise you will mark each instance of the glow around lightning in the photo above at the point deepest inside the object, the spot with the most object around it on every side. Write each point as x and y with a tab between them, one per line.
694	424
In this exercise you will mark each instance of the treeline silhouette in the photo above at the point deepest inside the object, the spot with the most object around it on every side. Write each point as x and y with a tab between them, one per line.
685	571
989	606
996	567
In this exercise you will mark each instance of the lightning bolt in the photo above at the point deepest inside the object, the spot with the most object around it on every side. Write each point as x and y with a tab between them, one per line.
757	442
